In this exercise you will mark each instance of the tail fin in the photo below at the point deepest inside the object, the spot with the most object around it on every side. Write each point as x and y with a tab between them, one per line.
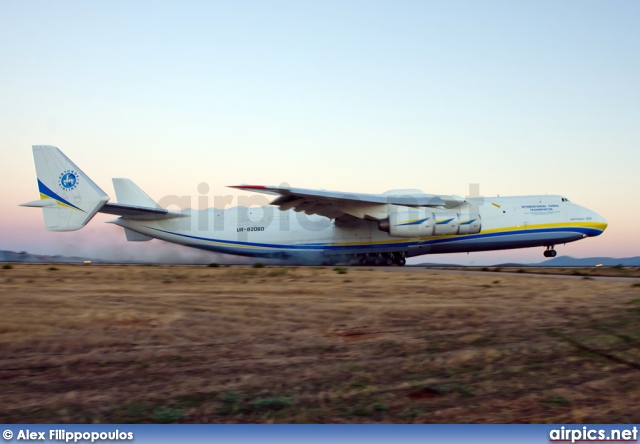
128	193
68	198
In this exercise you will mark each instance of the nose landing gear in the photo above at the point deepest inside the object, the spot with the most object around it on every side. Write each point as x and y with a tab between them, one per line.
550	252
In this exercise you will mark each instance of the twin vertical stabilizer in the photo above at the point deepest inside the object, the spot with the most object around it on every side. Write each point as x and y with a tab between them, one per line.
68	198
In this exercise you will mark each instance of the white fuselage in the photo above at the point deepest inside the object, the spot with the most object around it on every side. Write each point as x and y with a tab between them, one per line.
267	232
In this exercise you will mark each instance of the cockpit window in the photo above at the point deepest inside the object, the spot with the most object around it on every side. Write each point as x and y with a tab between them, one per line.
564	199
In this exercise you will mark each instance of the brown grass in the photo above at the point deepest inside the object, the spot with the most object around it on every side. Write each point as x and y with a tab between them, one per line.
618	271
237	344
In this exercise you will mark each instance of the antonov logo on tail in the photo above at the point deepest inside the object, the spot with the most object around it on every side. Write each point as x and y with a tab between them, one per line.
305	226
68	180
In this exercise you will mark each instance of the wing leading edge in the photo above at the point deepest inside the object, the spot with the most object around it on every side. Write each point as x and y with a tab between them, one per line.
335	204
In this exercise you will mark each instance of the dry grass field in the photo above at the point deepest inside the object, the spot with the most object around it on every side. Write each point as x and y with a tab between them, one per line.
617	271
314	345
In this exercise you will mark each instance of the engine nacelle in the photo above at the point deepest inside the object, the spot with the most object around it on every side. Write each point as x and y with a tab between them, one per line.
423	222
447	222
417	222
470	223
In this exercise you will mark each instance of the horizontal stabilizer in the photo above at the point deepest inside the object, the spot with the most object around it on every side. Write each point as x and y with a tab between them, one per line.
133	203
40	203
139	213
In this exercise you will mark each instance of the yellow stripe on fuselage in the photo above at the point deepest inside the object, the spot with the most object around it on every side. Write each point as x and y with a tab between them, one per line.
597	225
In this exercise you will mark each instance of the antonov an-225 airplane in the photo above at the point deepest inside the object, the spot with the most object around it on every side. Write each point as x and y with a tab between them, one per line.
317	226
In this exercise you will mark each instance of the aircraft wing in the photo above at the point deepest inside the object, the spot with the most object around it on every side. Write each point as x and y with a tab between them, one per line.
334	204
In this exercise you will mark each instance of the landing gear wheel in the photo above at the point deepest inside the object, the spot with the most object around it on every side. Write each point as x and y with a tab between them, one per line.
553	253
401	261
550	252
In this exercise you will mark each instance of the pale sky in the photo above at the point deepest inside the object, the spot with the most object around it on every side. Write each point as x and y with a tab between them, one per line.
520	97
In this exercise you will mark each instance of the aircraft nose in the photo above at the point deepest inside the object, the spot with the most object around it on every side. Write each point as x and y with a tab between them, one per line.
600	222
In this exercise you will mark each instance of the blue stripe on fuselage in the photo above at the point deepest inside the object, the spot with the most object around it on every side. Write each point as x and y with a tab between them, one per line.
326	246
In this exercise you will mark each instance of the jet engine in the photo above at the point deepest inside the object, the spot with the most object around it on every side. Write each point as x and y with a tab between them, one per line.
424	222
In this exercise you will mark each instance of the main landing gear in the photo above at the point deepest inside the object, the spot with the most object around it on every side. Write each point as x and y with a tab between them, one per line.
550	252
398	258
